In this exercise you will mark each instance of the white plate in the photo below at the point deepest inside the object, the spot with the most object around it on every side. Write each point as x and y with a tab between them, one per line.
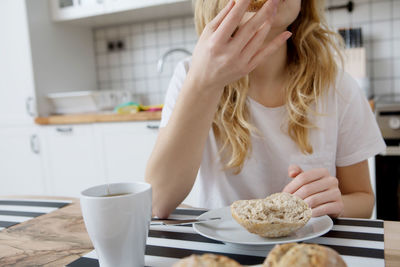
227	230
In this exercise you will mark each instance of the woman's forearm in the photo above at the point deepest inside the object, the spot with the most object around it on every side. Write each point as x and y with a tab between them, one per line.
358	205
176	157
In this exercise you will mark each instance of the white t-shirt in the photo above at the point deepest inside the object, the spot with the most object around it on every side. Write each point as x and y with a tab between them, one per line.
346	133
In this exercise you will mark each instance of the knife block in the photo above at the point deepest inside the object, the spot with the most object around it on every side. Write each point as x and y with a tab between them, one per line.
355	62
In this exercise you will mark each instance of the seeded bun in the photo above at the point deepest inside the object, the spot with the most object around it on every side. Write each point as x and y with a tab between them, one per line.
255	5
285	255
206	260
278	215
303	255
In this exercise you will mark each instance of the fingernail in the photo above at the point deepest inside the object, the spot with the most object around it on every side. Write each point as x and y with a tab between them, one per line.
288	35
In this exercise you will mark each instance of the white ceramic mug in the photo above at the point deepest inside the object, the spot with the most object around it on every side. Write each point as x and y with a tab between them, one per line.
118	225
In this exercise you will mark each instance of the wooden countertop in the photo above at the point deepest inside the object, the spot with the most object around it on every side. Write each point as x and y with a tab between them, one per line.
392	243
100	117
106	117
60	237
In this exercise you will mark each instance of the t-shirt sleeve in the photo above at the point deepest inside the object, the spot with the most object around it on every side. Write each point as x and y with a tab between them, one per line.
359	137
173	90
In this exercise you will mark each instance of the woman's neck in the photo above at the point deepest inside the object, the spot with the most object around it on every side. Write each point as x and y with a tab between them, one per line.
267	81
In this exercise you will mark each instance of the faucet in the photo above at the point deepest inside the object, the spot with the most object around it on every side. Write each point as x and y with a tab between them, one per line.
161	61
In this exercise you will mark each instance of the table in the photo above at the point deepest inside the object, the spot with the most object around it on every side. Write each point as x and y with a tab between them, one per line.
59	238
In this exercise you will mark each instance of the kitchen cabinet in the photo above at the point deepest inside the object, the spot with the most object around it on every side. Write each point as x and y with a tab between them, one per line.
80	156
21	167
126	148
124	5
39	57
71	159
74	9
105	12
17	95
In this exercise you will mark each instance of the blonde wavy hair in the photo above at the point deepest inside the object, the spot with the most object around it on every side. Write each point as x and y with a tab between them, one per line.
313	69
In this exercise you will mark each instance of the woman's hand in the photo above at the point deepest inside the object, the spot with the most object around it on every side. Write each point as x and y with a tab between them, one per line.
220	58
318	189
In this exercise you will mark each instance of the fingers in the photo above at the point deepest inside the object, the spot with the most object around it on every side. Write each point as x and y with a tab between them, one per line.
324	197
316	186
268	49
294	170
256	42
318	189
305	178
263	18
333	209
214	24
230	22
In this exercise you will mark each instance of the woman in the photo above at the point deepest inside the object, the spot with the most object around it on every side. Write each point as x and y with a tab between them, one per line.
260	108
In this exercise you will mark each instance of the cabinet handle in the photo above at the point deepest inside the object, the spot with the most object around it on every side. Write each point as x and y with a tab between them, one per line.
35	144
28	106
153	127
64	130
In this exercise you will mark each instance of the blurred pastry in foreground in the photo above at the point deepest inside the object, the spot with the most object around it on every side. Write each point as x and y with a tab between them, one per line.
303	255
206	260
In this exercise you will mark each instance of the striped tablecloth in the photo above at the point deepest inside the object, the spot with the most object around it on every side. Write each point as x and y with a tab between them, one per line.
360	242
14	211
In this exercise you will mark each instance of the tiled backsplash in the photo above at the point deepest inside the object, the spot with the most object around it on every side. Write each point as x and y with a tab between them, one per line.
380	23
135	68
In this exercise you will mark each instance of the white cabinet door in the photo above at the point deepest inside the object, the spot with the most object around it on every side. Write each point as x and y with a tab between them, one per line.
70	159
20	162
74	9
126	149
16	74
121	5
89	8
125	5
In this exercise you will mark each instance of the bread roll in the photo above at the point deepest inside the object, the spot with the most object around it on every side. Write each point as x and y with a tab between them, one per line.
275	216
255	5
303	255
206	260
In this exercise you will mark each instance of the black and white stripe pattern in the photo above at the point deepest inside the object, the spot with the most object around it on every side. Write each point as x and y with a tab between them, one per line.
360	242
14	211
